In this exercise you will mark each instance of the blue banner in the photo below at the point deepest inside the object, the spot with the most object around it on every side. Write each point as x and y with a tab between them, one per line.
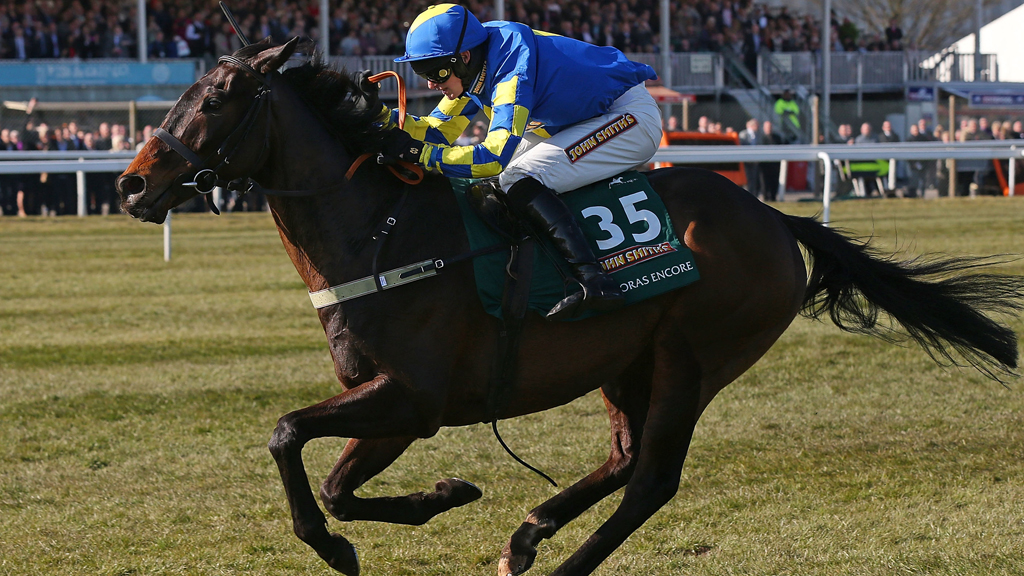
1001	99
98	73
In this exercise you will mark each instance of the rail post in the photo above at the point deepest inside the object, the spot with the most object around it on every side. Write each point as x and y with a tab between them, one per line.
80	185
167	237
132	122
826	195
780	192
1012	169
950	162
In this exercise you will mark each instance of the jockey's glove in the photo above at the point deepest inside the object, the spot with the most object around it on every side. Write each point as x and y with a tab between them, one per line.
366	96
399	145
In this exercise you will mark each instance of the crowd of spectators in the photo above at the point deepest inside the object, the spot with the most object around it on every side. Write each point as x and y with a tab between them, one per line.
52	194
56	194
918	176
33	29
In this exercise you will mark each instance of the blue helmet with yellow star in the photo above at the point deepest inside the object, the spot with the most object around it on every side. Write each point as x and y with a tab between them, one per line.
438	36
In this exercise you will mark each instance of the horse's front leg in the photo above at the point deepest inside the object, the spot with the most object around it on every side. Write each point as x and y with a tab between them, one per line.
379	408
364	459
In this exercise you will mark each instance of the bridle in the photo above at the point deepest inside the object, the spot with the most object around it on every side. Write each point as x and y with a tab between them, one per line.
205	179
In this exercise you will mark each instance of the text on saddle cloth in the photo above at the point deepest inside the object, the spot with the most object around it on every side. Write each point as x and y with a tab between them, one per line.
629	230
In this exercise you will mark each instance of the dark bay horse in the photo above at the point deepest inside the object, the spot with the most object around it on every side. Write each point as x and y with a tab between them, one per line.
418	357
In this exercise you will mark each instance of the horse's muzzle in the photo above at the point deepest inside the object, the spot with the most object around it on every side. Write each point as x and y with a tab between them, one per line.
130	185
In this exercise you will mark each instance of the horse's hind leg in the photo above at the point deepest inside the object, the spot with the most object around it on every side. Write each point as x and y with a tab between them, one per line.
671	418
627	400
364	459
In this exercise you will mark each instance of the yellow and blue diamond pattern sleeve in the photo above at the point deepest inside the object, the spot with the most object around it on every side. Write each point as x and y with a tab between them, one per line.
508	124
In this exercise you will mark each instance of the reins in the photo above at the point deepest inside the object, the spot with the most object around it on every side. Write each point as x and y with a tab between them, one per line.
407	167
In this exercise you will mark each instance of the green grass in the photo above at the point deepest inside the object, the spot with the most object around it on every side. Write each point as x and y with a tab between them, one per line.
137	397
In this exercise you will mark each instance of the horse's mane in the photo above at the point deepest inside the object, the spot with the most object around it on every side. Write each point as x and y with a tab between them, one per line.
331	94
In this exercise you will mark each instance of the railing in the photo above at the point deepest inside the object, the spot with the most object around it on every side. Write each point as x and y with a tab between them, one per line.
704	73
82	162
980	150
952	67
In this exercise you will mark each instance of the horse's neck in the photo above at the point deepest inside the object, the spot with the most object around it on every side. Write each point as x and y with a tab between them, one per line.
329	236
326	235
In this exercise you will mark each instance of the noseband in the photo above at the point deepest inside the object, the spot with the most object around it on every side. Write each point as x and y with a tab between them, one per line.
205	179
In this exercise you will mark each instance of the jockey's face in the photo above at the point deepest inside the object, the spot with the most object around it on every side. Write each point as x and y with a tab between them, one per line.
444	78
451	88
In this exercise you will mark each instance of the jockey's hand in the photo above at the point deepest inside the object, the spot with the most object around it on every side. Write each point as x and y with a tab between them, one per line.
367	95
399	145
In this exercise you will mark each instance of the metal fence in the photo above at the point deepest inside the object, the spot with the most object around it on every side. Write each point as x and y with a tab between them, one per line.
82	163
703	73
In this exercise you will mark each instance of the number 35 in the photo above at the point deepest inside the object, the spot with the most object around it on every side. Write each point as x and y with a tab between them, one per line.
634	216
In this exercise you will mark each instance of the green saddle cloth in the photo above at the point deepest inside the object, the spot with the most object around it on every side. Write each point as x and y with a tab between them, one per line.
629	230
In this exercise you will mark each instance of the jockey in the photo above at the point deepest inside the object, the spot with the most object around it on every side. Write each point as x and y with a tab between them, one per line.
544	95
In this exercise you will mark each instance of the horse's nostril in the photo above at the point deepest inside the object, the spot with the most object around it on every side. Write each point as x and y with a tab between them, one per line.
131	184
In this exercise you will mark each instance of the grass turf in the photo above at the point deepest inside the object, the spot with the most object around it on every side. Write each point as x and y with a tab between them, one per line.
137	396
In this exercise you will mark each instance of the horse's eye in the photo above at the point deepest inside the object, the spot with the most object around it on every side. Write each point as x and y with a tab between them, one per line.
213	104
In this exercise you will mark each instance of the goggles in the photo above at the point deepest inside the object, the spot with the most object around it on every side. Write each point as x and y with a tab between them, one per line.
436	70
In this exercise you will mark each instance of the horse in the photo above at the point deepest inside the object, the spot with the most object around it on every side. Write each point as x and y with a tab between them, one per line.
415	358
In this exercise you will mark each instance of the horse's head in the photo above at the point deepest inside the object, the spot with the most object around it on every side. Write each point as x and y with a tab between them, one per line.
216	132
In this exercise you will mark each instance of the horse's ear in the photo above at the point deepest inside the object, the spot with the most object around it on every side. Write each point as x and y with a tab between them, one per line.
270	60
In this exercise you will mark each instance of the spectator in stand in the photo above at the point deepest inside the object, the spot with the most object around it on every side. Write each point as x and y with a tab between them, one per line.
49	44
788	111
887	136
18	181
1005	132
1018	130
17	44
865	137
752	44
119	44
196	34
702	124
845	133
770	170
350	45
922	172
90	29
144	137
978	129
983	131
750	137
161	48
894	36
103	141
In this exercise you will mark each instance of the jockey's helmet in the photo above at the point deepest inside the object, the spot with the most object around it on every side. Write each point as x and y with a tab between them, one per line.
437	37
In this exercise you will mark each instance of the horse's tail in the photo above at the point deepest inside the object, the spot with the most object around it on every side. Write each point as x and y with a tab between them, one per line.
931	298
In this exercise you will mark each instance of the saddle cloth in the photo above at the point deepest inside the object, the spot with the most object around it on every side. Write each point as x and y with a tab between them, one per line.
629	230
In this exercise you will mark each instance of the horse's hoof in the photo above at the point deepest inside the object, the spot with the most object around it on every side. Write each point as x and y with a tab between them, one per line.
508	566
341	555
457	491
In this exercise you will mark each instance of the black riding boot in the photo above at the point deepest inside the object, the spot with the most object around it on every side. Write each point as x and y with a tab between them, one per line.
546	214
